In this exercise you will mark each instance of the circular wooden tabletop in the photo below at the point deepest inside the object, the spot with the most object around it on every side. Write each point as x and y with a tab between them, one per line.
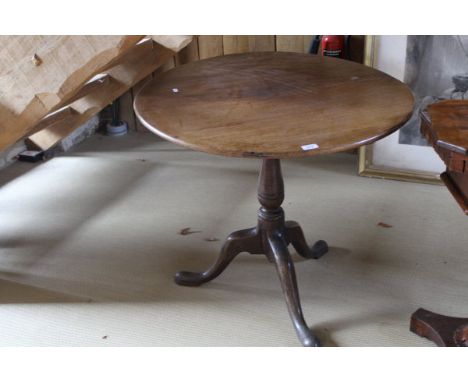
273	104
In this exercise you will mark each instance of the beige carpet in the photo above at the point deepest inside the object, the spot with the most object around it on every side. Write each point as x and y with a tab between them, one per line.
89	244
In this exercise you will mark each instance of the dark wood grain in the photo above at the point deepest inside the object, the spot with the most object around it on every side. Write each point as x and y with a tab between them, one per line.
270	104
449	125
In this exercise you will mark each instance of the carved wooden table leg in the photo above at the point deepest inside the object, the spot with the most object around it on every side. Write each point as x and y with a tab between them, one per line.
443	330
271	237
247	240
297	239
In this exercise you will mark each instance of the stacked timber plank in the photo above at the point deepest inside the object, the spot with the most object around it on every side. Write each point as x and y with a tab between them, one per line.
49	85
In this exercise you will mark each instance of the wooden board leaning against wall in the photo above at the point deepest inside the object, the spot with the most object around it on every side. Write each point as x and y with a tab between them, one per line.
206	46
50	85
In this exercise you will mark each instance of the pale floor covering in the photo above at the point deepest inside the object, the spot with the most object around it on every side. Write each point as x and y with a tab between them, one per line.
89	243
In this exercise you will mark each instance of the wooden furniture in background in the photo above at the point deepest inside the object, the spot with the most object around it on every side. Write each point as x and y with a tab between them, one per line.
272	105
445	126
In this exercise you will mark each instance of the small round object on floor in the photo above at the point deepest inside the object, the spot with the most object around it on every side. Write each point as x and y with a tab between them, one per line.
116	130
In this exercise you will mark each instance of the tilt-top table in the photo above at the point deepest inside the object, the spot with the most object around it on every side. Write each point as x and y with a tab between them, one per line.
271	106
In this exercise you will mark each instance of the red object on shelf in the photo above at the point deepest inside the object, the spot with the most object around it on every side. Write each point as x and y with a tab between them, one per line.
333	46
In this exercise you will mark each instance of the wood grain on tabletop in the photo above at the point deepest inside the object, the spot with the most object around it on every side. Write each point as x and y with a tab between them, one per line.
272	104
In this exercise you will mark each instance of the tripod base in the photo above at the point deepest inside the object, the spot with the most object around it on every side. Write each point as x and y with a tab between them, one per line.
270	237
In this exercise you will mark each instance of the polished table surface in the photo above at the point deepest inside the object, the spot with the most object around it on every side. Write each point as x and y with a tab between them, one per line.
273	104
